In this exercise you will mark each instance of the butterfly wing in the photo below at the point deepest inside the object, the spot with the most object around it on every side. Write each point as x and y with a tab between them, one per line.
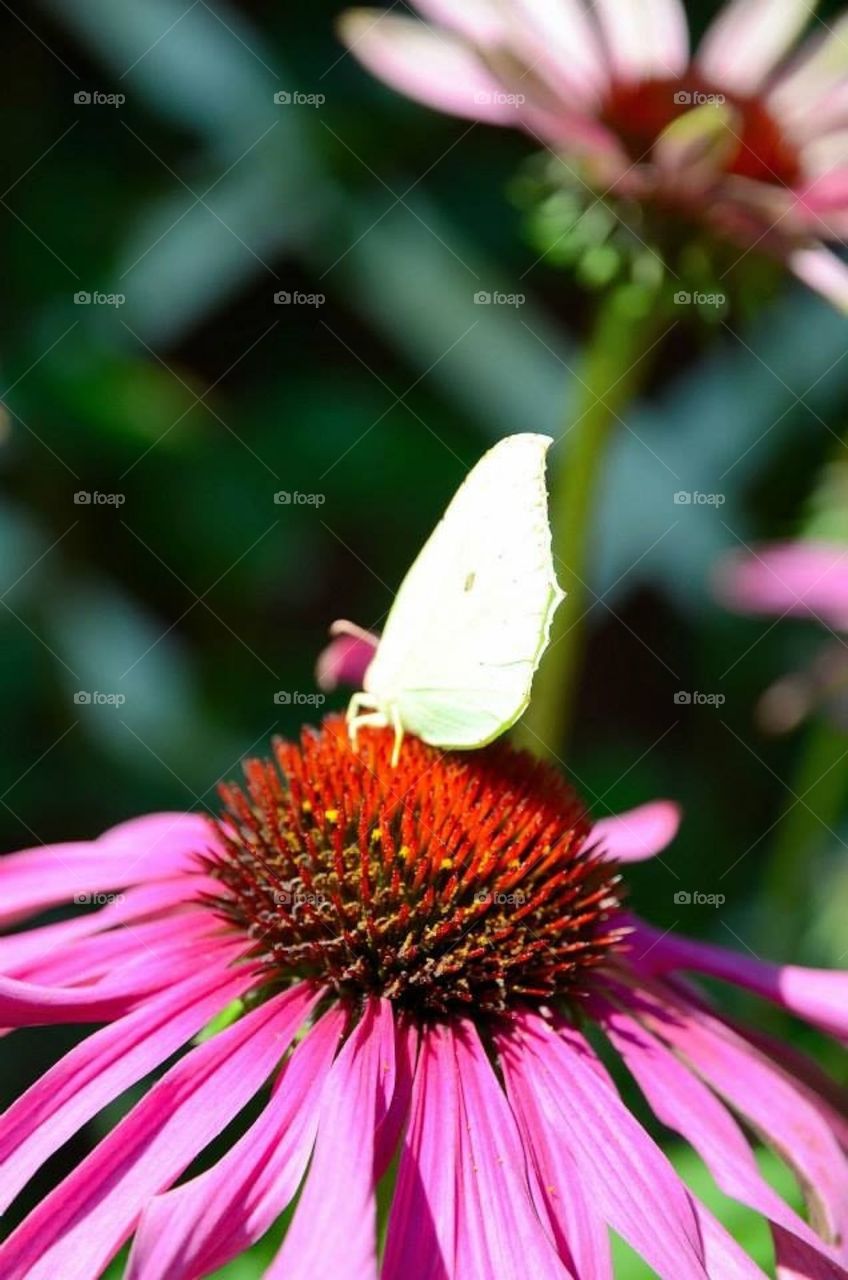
473	615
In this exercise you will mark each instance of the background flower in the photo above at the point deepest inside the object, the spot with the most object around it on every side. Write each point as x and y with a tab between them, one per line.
732	136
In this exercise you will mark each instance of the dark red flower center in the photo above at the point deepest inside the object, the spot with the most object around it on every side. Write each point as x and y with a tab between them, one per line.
464	881
638	113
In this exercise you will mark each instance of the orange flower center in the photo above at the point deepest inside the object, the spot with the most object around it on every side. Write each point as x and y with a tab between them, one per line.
452	882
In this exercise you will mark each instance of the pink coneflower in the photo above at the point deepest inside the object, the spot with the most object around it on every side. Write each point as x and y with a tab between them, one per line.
417	954
796	579
734	137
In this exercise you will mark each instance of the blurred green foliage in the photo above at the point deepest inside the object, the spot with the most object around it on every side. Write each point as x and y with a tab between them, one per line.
198	398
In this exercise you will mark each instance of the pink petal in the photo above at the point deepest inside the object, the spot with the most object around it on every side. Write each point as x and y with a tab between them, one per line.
426	64
645	38
796	1261
346	658
824	272
638	833
819	996
624	1174
482	21
747	40
78	1227
421	1236
100	955
565	47
151	848
100	1068
725	1258
766	1099
682	1103
19	950
808	578
462	1208
820	67
203	1224
334	1229
561	1201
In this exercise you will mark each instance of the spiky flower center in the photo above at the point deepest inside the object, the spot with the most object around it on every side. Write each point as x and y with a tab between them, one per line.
451	882
639	112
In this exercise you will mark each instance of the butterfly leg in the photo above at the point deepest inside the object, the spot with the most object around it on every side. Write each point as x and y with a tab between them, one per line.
362	712
397	725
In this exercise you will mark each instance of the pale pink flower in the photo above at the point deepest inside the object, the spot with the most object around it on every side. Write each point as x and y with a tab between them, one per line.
746	135
796	579
417	953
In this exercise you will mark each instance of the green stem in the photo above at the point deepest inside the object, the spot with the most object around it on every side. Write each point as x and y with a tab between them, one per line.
614	368
813	812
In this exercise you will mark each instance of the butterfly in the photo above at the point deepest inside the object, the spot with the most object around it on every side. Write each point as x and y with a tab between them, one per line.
472	617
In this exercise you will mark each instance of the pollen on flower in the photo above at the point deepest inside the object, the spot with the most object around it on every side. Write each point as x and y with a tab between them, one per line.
460	882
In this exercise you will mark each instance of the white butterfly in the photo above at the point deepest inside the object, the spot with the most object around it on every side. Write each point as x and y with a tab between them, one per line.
473	615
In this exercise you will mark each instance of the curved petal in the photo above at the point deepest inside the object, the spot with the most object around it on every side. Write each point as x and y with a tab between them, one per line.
334	1229
819	996
638	834
463	1209
821	66
645	38
479	20
824	272
748	39
566	47
765	1098
683	1103
788	577
78	1227
100	1068
621	1169
346	658
151	848
201	1225
428	65
561	1201
20	950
